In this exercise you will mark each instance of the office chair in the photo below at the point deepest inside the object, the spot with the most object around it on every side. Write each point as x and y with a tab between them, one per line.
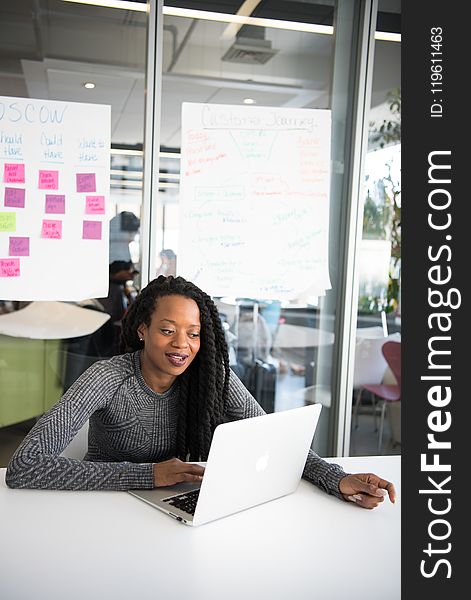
387	392
370	365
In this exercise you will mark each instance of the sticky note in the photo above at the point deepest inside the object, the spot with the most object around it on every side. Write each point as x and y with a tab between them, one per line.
51	229
15	197
95	205
48	180
9	267
86	182
91	230
55	204
7	221
19	246
14	173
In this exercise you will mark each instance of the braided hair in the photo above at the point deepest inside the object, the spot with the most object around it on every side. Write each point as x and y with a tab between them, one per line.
204	385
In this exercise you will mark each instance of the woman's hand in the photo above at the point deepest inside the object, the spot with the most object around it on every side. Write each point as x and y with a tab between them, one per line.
175	471
366	489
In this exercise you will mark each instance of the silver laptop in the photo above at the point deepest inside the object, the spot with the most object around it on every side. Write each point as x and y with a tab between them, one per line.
250	461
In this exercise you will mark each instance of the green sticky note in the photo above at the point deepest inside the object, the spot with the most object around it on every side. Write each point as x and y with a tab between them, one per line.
7	221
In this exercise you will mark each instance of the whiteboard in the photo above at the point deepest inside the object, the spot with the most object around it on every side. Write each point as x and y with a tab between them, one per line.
254	200
54	192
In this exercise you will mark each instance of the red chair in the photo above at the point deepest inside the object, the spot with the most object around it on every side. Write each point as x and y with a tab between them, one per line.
387	392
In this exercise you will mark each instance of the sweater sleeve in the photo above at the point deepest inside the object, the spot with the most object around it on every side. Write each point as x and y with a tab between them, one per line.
242	405
37	462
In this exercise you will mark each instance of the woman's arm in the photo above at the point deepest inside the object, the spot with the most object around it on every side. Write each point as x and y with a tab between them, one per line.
325	475
37	462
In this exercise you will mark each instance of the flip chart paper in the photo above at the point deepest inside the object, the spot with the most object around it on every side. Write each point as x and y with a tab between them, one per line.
62	155
15	197
254	200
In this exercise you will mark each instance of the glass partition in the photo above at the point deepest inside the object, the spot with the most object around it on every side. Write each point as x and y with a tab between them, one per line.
55	50
280	55
376	421
282	349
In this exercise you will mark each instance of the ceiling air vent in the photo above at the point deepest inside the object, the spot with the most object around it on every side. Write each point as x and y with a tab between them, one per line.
249	50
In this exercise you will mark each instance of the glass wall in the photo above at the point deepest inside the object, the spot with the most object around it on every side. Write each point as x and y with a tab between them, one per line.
376	423
55	50
284	349
284	56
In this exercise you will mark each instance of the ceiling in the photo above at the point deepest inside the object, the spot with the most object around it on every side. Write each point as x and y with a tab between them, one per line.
49	48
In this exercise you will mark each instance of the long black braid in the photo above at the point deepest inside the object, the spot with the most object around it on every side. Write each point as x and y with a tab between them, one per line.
204	385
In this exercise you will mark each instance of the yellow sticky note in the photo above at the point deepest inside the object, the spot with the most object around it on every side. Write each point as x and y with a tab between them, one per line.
7	221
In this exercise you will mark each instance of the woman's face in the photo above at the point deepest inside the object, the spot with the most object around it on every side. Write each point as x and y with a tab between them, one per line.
172	339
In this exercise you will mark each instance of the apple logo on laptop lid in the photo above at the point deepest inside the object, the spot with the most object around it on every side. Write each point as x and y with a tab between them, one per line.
262	462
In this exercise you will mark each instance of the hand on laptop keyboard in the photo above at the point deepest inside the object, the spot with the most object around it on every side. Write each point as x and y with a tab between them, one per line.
170	472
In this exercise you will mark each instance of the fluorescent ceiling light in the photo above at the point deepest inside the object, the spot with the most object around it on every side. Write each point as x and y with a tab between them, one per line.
169	176
127	173
238	19
249	101
174	11
386	36
138	6
124	152
89	85
129	183
133	175
162	185
175	155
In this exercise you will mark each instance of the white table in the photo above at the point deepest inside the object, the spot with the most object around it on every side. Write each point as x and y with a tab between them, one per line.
110	545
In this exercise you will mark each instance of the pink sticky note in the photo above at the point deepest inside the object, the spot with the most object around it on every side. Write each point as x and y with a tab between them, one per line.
19	246
55	204
51	229
9	267
48	180
91	230
86	182
14	173
95	205
15	197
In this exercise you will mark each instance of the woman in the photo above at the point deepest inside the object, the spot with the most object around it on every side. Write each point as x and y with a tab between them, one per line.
156	406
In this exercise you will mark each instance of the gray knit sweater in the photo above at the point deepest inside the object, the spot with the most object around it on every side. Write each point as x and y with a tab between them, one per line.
131	427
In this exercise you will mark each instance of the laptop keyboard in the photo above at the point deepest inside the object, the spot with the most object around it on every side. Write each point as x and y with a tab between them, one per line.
186	502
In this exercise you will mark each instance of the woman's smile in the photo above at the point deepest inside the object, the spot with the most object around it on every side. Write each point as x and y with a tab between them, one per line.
176	358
